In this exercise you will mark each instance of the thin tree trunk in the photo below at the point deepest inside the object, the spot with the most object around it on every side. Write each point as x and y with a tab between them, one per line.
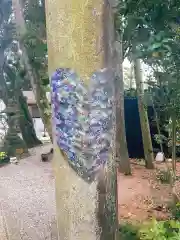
146	136
12	140
131	76
3	87
157	124
121	144
78	34
174	138
39	91
174	143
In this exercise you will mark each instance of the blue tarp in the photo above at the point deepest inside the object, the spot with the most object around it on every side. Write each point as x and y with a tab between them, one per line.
133	128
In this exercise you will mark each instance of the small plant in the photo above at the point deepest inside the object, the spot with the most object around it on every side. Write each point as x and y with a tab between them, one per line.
2	155
164	176
4	158
163	230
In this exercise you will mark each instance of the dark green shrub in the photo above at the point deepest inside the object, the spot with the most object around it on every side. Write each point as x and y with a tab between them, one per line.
128	232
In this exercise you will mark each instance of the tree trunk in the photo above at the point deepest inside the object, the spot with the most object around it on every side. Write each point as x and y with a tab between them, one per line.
79	37
121	144
25	119
26	123
174	143
174	138
131	76
38	89
12	140
146	136
3	87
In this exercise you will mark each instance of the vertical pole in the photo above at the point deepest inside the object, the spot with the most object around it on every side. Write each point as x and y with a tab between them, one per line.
80	46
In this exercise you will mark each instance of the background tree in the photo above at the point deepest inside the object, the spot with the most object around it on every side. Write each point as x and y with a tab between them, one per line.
153	27
146	135
146	29
13	80
33	45
11	139
121	144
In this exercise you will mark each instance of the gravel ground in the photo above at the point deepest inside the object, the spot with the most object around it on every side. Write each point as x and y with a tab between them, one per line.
27	200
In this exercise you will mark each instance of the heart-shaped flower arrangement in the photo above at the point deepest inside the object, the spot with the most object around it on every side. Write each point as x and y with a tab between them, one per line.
83	119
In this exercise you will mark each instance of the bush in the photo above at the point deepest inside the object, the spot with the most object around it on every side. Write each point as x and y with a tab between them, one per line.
163	230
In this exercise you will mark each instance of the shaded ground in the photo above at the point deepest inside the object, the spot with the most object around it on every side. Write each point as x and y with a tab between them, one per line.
27	200
142	197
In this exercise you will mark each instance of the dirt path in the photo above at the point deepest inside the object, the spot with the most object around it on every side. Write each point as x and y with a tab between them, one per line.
27	200
142	197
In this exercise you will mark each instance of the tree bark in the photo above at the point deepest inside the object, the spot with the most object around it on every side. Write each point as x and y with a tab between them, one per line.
121	144
39	91
146	136
79	37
